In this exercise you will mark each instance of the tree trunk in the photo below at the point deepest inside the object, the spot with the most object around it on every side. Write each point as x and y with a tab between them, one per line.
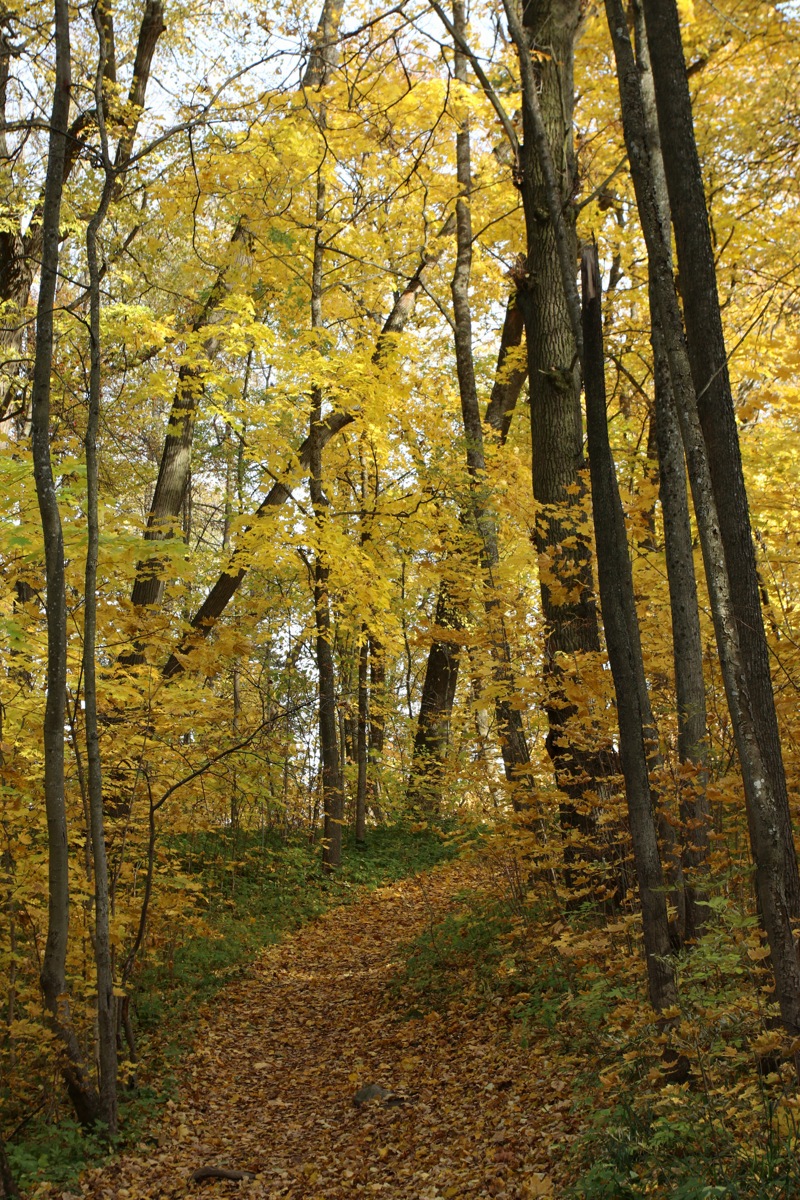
324	52
775	890
432	738
621	624
362	756
709	367
511	732
332	789
106	1006
332	795
550	305
8	1188
377	722
686	639
53	973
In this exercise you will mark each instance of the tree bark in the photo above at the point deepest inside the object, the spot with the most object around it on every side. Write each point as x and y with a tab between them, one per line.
377	722
510	730
686	639
424	790
331	772
324	46
53	972
106	1006
709	367
362	728
774	884
636	729
550	304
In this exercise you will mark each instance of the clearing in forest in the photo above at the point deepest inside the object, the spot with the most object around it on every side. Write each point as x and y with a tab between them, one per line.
269	1087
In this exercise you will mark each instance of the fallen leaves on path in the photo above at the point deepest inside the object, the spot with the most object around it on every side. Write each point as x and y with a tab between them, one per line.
269	1087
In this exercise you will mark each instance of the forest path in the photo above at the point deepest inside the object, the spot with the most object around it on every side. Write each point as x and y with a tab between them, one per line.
278	1057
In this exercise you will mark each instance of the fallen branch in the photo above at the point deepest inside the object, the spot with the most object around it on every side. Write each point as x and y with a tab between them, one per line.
203	1173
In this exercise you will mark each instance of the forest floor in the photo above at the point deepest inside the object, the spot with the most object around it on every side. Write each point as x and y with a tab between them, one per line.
279	1055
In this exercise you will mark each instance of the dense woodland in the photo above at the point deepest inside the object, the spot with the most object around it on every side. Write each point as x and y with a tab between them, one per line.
399	428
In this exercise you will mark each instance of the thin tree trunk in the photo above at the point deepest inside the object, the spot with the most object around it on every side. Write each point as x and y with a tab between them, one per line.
686	638
511	733
319	72
332	795
636	730
377	722
106	1007
53	973
332	791
362	757
774	883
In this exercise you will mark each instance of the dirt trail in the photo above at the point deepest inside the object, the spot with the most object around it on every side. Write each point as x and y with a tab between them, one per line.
269	1087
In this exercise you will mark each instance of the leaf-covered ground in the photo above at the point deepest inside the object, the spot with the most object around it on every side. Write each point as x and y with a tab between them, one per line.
269	1086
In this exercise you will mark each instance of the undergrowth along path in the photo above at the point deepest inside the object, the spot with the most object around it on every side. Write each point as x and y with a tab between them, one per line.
269	1086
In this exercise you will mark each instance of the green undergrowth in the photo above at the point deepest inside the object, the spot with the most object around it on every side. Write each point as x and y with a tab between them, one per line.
253	891
704	1104
257	890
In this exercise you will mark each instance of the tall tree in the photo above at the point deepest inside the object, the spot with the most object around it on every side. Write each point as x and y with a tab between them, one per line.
637	732
106	1004
774	884
709	366
686	639
53	972
318	74
510	730
543	33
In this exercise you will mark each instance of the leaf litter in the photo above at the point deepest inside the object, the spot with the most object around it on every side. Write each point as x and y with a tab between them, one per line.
268	1091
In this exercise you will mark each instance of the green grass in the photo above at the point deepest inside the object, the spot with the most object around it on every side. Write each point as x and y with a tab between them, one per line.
257	891
464	954
257	894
